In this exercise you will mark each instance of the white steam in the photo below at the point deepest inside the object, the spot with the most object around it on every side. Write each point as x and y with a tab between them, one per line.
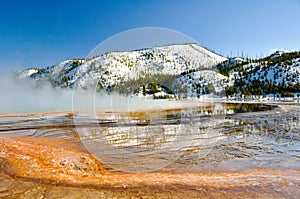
25	95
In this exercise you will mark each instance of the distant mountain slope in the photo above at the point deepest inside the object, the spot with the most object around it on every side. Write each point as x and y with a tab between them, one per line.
202	82
116	67
277	73
188	70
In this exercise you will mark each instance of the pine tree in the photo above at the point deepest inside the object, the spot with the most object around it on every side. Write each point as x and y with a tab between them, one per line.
144	90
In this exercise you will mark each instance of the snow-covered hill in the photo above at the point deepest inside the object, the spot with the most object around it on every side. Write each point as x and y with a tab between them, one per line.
188	70
202	82
277	73
113	68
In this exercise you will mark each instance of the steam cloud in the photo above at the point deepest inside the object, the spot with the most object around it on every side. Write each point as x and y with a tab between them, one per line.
25	95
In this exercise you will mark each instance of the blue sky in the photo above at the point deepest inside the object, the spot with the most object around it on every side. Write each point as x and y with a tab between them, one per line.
42	33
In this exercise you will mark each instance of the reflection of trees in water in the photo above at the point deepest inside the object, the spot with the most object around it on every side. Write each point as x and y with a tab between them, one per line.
270	138
249	107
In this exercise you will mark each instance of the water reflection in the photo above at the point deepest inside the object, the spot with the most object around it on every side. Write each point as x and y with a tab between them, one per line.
212	136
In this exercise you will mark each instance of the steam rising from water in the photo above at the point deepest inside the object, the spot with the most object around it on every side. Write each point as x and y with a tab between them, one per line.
25	95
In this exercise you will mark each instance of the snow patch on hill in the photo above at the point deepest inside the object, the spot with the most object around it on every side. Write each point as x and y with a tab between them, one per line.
202	82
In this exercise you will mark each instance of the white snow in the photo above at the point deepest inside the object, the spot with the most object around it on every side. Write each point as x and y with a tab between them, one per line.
202	78
112	68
